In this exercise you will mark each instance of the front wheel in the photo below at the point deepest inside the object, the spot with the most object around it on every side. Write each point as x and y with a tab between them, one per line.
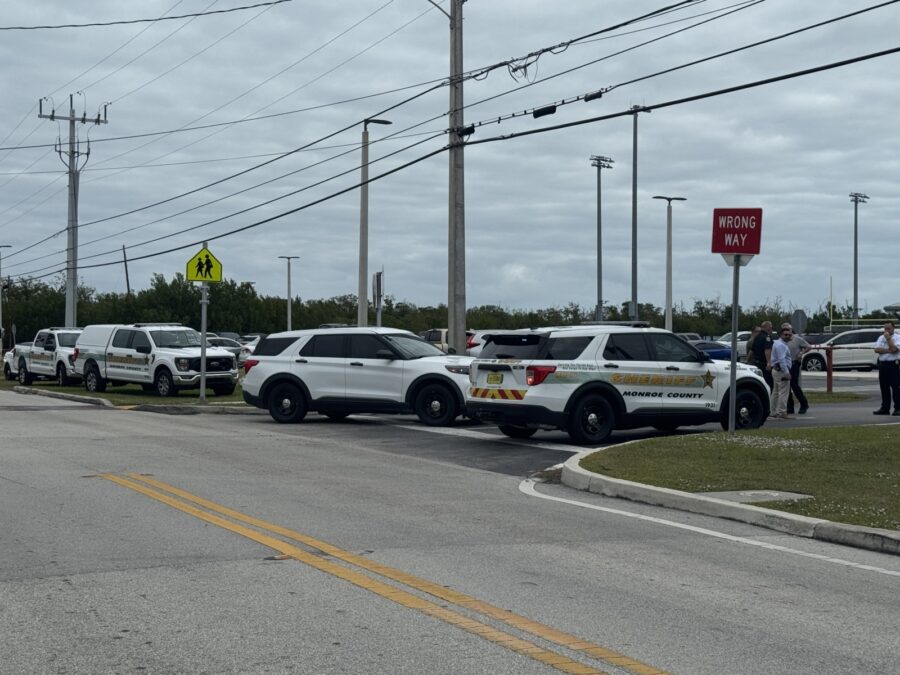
62	379
7	372
592	420
516	432
92	380
164	384
435	405
24	376
749	411
814	364
287	403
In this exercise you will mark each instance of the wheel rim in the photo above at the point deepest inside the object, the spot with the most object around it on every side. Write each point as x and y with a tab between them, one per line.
745	412
436	406
814	365
287	405
60	376
592	421
163	386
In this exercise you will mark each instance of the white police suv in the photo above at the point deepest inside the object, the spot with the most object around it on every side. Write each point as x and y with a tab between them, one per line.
340	371
591	380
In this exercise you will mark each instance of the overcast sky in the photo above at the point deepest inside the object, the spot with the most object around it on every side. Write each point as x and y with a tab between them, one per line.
795	148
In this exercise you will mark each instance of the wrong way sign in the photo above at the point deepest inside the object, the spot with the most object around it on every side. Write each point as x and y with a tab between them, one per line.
737	231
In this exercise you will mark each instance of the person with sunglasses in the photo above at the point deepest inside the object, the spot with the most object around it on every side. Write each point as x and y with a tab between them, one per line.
781	375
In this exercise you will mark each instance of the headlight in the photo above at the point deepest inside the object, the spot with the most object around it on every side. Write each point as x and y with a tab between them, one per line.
458	370
183	364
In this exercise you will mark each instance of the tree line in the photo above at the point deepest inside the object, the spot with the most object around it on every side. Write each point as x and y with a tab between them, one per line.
30	305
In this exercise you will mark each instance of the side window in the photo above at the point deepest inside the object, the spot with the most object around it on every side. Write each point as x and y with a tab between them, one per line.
870	336
39	340
50	342
670	348
325	346
626	347
139	340
567	348
365	346
121	338
276	345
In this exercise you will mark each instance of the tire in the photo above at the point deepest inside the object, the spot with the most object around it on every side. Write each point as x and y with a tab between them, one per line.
336	416
7	373
814	364
92	380
62	379
24	377
164	384
592	420
436	405
749	411
287	404
516	432
223	389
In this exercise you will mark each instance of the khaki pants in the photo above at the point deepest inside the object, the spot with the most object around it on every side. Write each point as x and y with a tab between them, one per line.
781	387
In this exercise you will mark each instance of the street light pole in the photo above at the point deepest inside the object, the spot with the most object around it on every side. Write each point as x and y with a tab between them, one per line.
634	233
362	313
289	303
857	198
601	163
2	246
669	201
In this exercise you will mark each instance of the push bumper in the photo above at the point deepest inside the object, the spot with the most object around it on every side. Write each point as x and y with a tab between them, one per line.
515	415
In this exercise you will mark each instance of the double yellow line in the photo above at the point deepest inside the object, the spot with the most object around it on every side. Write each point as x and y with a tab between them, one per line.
237	522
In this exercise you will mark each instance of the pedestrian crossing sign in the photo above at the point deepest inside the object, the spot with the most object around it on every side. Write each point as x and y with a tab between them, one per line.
204	266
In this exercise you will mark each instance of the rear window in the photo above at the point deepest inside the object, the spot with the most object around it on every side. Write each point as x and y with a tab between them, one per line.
272	346
325	346
535	346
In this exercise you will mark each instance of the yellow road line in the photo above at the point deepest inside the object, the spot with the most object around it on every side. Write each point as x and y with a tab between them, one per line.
401	597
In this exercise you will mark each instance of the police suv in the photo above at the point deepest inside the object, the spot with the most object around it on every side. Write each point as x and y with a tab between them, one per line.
51	354
591	380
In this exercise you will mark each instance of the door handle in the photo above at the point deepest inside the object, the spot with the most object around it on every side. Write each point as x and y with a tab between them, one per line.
610	365
300	361
356	363
672	368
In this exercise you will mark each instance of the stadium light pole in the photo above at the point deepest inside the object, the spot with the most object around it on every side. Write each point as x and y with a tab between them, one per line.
857	198
669	201
362	313
601	163
2	333
634	233
289	304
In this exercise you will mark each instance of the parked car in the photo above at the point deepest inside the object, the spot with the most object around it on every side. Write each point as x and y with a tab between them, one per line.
10	367
50	355
227	344
689	336
715	350
341	371
231	336
475	340
742	337
852	350
592	380
439	337
248	347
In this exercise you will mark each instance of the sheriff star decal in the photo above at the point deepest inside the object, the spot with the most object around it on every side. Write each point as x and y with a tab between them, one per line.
708	380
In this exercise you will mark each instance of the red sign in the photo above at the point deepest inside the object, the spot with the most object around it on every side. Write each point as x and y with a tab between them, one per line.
737	231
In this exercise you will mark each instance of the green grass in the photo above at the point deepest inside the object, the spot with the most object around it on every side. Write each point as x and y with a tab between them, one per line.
852	473
132	394
817	397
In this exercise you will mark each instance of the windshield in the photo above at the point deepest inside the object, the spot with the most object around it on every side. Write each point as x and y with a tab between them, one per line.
412	347
169	338
67	339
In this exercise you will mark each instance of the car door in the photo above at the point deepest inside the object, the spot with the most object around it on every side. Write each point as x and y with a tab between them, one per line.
117	354
321	365
42	353
628	364
140	356
371	375
688	384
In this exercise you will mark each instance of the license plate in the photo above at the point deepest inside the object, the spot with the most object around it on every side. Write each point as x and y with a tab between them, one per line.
495	378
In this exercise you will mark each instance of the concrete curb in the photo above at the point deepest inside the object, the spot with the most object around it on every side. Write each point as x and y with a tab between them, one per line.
883	541
68	397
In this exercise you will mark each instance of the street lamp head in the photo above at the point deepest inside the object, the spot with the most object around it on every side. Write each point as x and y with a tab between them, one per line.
289	257
374	120
671	199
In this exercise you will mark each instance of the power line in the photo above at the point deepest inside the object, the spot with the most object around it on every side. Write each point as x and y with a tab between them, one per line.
156	20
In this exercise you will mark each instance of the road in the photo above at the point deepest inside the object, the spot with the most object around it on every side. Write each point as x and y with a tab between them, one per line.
379	545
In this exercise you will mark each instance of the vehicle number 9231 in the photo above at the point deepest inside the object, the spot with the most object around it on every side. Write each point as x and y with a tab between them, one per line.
495	378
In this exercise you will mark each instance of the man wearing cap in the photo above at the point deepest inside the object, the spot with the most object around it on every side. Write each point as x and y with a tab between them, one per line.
888	349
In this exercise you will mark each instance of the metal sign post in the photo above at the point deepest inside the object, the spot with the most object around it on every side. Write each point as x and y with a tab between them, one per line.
204	301
205	268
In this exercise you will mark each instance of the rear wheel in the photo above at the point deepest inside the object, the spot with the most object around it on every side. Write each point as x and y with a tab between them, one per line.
516	432
814	363
749	411
287	403
164	384
62	378
24	376
92	380
435	405
592	420
7	372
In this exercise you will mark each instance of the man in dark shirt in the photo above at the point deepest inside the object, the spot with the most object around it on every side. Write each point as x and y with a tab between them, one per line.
762	351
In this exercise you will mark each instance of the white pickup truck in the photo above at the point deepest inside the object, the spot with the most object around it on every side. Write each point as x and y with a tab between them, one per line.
50	356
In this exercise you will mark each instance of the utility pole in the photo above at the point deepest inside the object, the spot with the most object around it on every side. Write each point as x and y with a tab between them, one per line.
601	163
634	233
72	224
456	267
127	282
2	333
289	303
857	198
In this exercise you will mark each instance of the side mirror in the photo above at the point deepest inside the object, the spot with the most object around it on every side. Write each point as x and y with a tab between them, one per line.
142	349
451	350
385	354
49	348
705	358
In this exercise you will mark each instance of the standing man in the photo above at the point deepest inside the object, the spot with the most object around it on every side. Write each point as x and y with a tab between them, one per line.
781	375
888	349
762	351
797	347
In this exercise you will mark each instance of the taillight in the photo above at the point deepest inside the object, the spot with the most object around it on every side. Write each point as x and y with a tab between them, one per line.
248	364
537	374
75	355
470	342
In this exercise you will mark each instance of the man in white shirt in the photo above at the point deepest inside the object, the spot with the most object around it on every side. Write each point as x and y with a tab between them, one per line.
780	363
888	349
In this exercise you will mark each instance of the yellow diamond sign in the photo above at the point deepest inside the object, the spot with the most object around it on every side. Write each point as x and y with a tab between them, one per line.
204	266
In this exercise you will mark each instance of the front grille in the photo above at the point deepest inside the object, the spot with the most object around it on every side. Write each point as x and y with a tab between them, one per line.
216	364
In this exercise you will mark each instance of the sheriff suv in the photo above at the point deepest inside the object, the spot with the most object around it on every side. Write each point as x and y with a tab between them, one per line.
591	380
340	371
